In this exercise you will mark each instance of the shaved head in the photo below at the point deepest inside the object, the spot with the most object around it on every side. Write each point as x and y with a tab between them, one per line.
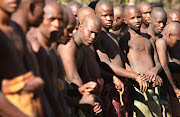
67	32
158	12
171	33
52	6
130	9
173	15
92	18
118	18
146	10
102	5
82	12
118	11
74	6
172	27
90	29
65	17
72	18
106	14
52	23
133	17
143	4
158	19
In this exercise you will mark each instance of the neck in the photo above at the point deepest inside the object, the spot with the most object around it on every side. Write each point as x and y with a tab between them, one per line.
5	18
43	40
144	26
151	32
78	38
134	31
105	30
117	32
20	18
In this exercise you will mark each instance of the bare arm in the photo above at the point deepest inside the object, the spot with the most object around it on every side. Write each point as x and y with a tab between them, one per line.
157	67
67	54
119	71
163	57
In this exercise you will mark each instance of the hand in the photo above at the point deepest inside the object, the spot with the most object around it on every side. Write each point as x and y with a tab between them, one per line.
36	85
177	91
87	88
143	77
88	99
97	108
118	84
151	74
143	84
157	82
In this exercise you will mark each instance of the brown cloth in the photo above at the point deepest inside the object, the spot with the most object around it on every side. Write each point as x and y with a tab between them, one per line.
24	101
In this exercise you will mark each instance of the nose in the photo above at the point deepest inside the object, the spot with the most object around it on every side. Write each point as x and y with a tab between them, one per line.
108	17
162	25
136	20
56	23
93	35
148	15
70	34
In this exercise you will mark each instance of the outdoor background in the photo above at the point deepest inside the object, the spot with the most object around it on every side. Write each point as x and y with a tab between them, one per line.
166	4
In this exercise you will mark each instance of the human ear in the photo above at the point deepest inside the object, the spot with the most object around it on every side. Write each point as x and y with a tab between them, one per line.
169	35
125	20
32	7
80	27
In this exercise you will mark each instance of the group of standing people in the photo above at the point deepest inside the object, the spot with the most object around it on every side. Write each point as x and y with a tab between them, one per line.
76	61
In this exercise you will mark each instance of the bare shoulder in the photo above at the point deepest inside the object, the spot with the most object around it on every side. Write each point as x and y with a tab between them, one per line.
161	42
31	37
68	48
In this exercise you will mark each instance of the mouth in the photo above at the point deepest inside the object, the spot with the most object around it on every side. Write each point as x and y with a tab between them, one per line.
13	4
90	42
148	20
160	30
137	25
109	24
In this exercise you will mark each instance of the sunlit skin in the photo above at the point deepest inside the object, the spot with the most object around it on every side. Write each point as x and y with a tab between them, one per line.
164	46
82	12
118	18
52	23
106	14
73	56
158	22
68	29
142	57
74	6
145	9
133	18
173	15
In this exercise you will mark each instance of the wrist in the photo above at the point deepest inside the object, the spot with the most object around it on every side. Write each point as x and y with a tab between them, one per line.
137	76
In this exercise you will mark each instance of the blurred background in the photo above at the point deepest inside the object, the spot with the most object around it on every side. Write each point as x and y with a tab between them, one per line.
166	4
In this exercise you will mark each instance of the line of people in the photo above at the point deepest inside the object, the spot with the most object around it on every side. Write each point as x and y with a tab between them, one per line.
76	61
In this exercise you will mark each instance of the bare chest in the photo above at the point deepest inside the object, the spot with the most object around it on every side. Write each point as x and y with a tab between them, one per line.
140	44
